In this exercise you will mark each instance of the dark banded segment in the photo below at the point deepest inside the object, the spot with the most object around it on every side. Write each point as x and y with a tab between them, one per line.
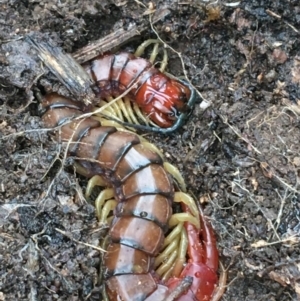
115	147
130	287
152	179
137	233
93	141
121	259
132	70
153	207
137	157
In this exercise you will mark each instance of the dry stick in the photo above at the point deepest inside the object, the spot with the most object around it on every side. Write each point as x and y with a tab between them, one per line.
64	67
220	289
115	39
271	13
78	241
67	69
151	19
182	286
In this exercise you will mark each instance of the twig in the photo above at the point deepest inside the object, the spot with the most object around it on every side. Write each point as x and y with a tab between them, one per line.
272	14
115	39
67	69
179	55
220	289
278	265
79	242
237	132
252	198
64	67
182	286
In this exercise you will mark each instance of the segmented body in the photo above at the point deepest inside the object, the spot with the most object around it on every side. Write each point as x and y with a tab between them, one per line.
165	101
140	264
142	187
144	192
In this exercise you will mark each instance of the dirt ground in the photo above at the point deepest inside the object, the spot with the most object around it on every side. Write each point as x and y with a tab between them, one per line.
239	151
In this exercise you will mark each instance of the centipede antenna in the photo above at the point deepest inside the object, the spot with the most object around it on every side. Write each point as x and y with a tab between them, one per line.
183	285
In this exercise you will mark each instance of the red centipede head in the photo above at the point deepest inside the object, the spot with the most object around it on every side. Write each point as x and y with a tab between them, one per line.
164	99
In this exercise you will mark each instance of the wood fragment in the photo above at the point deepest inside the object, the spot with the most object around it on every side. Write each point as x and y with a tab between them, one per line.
67	67
64	67
184	284
272	14
115	39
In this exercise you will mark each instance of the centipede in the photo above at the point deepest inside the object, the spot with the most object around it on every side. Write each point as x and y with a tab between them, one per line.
155	100
152	252
142	212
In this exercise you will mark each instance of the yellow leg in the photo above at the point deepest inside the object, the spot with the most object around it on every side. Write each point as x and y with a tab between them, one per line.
175	173
103	245
181	197
183	217
141	49
154	53
172	259
106	122
173	234
108	112
108	207
107	109
181	257
140	115
127	110
104	196
81	170
180	260
166	252
109	115
94	181
167	275
116	108
166	265
164	62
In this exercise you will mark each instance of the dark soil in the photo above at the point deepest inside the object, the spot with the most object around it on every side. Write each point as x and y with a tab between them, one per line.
240	154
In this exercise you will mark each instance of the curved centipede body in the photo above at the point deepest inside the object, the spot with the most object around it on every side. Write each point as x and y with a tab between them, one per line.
164	100
140	262
145	193
142	187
